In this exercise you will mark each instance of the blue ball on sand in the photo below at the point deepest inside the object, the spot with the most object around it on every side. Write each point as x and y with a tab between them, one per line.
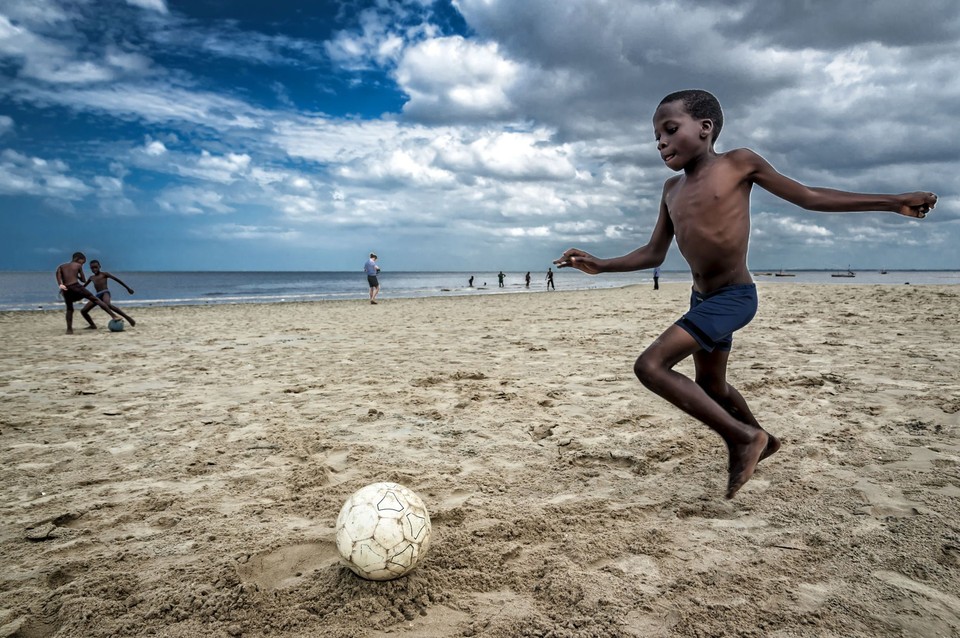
115	325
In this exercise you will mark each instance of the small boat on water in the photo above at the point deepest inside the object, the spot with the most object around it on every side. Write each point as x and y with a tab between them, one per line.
784	274
849	273
883	271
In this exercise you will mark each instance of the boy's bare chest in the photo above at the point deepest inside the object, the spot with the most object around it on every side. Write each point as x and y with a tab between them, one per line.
707	201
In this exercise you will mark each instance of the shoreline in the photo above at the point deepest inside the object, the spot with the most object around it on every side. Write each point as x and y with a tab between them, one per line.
27	291
443	294
183	477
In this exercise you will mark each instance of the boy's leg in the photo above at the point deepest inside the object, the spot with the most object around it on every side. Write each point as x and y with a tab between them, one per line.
712	377
93	299
69	314
123	314
85	312
654	368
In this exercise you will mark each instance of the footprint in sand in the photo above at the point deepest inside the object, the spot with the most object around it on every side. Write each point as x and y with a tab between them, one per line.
285	566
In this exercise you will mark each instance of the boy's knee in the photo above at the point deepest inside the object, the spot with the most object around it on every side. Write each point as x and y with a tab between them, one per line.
646	369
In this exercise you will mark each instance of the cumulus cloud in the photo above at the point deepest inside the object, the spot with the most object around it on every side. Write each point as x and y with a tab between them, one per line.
452	79
38	50
509	155
153	5
827	25
154	148
190	200
380	35
25	175
218	168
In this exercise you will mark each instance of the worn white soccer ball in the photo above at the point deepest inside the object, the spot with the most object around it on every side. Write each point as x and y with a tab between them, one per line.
383	530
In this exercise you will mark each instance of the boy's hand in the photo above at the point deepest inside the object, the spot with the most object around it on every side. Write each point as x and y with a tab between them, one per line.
582	261
129	291
917	204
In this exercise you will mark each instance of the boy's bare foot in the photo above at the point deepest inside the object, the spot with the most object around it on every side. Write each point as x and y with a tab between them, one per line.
744	459
69	331
89	327
133	323
773	444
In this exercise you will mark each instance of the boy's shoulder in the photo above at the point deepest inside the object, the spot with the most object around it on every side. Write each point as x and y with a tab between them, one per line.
742	153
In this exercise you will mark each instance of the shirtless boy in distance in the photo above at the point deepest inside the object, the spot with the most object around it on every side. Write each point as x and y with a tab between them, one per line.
707	208
100	280
70	278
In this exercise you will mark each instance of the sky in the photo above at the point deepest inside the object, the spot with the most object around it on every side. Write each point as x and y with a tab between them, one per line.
457	134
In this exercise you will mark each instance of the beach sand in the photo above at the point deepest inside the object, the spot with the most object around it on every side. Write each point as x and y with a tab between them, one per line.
182	478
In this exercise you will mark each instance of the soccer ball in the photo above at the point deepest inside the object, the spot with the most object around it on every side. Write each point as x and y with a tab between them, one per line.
382	531
115	325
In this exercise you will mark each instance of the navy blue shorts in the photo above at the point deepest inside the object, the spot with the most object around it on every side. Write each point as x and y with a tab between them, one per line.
372	281
714	317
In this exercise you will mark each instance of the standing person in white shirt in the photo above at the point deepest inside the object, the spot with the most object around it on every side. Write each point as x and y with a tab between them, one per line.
372	269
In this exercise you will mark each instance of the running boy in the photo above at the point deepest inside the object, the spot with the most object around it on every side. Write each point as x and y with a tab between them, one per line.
100	280
69	278
707	209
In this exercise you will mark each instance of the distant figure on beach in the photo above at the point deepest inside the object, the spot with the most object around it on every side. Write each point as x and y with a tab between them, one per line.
550	279
527	279
656	278
372	270
707	209
500	277
100	278
71	280
470	281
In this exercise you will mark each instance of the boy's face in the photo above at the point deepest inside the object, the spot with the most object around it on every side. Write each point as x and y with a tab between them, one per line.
94	267
680	138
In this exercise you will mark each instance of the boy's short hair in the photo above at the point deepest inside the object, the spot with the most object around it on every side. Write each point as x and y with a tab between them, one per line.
701	105
78	255
95	261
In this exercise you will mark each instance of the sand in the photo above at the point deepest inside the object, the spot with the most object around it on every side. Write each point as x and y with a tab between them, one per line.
182	478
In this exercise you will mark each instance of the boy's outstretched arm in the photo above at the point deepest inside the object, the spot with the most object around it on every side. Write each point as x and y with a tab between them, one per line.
117	279
828	200
647	256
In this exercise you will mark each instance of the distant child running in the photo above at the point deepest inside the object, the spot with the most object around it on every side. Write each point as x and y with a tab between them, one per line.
707	209
69	278
100	279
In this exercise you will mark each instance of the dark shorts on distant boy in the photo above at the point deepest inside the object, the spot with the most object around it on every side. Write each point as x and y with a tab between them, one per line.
715	316
76	292
372	280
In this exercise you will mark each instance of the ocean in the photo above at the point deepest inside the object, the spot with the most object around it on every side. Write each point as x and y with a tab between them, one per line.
38	290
